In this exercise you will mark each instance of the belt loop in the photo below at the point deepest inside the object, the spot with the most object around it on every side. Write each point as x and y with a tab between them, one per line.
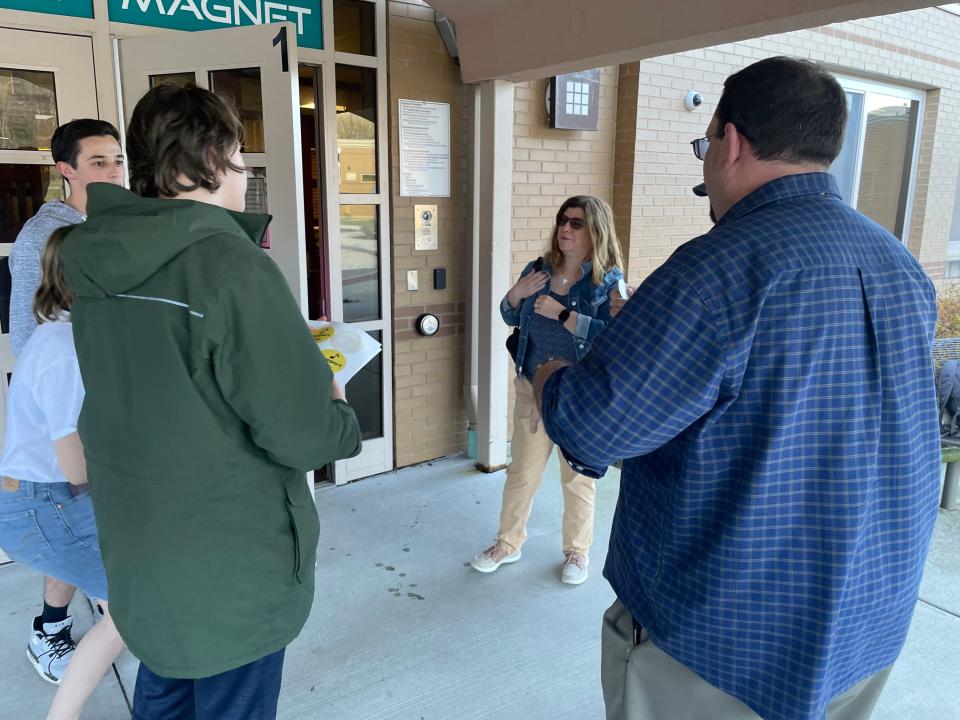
637	633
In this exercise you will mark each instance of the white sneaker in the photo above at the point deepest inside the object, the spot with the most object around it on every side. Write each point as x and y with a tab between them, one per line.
493	557
50	648
574	568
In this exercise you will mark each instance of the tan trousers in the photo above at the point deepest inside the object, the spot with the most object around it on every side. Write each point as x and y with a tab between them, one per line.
642	682
530	453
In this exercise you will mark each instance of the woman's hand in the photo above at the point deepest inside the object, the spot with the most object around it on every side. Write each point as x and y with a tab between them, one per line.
548	307
617	302
526	286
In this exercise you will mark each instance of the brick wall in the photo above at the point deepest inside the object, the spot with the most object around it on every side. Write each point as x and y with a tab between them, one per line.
551	165
625	207
429	413
915	49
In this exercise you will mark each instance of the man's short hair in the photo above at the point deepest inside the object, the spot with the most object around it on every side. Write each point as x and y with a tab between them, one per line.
181	138
789	109
65	144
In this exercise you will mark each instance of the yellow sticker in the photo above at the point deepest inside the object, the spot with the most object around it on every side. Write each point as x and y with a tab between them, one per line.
335	359
321	334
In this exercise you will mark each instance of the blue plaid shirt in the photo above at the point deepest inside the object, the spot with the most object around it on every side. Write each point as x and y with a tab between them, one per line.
772	389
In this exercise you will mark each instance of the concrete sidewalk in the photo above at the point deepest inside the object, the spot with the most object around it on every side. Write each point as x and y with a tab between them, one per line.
403	629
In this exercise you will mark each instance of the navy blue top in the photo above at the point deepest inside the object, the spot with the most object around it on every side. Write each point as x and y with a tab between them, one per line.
772	389
590	302
548	340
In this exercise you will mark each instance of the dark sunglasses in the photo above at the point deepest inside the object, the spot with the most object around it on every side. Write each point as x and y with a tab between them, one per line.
575	223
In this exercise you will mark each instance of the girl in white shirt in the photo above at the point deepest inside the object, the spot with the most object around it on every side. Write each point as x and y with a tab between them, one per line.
46	515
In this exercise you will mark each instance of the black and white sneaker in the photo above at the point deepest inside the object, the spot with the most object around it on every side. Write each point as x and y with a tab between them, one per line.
50	648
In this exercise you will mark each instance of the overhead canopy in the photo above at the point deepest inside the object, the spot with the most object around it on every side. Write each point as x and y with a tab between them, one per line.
529	39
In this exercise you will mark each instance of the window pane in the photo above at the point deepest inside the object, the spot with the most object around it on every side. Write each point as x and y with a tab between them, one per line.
354	27
844	167
318	273
28	109
360	256
357	129
23	189
887	157
366	395
178	79
243	87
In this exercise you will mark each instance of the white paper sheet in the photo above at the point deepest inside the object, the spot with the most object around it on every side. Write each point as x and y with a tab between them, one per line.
345	348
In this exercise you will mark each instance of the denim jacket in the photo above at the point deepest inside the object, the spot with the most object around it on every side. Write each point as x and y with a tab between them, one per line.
590	302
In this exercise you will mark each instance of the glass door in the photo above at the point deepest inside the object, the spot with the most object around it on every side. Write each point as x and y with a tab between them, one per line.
358	192
257	67
45	80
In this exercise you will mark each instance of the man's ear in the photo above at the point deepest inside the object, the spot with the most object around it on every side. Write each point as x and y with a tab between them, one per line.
734	145
66	170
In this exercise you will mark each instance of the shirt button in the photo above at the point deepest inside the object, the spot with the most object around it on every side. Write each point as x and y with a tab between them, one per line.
574	302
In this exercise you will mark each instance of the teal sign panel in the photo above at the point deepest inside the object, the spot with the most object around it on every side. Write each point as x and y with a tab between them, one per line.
71	8
213	14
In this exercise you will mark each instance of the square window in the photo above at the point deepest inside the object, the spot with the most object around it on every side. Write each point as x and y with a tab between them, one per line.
578	98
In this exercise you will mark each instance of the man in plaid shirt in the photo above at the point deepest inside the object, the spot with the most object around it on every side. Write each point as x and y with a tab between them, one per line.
772	390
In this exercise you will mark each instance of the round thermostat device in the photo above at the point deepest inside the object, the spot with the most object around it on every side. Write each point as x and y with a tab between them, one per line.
428	324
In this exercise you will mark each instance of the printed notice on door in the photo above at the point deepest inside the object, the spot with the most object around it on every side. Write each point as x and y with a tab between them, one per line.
424	149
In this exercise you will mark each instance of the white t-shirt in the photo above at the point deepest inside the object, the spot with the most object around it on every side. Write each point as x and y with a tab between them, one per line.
43	405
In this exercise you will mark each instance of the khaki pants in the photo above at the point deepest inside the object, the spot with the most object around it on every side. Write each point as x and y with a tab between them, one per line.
642	682
530	452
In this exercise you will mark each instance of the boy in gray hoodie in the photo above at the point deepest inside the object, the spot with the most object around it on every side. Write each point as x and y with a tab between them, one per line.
85	151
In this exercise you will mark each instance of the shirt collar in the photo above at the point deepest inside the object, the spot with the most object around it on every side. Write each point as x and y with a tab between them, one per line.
788	186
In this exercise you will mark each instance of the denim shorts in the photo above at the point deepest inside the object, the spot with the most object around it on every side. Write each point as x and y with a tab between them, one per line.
48	528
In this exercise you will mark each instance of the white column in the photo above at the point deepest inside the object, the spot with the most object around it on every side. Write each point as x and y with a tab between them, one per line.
470	382
495	210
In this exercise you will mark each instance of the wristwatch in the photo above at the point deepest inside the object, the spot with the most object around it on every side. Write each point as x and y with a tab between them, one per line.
564	314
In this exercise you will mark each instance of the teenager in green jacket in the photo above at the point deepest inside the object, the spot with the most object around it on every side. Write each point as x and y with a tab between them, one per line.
207	401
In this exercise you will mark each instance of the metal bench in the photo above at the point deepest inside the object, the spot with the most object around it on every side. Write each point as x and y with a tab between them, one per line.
948	349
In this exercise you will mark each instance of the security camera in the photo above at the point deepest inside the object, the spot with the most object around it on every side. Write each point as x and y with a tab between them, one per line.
693	100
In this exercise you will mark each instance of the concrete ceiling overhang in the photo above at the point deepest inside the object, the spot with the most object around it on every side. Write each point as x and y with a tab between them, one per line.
529	39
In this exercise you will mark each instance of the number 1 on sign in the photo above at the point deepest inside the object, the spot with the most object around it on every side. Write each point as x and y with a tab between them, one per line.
281	38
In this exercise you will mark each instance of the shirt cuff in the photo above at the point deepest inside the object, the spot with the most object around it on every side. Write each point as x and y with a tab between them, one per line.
582	330
547	405
582	468
507	310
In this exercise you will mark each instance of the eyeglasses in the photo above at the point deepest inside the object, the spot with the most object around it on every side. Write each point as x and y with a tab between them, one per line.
701	145
575	223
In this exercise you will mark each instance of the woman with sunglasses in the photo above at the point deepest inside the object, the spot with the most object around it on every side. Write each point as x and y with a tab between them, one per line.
560	303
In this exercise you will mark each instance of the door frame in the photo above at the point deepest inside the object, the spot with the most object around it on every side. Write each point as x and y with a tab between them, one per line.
377	455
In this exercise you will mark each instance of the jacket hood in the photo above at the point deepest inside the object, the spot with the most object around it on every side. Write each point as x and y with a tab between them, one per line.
127	238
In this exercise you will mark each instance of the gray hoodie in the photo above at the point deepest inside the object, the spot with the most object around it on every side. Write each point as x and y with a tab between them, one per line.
25	265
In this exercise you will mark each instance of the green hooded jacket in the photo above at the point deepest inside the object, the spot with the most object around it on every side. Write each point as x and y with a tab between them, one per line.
207	401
